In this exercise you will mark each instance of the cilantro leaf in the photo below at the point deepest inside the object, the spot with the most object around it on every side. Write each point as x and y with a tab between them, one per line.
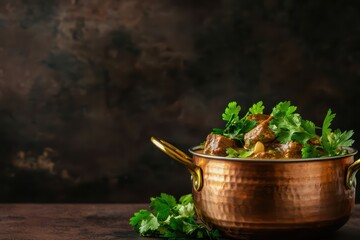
342	139
187	210
289	126
236	127
310	151
242	153
284	108
231	112
217	131
135	221
326	131
171	219
144	222
185	199
334	141
162	205
309	127
257	108
150	223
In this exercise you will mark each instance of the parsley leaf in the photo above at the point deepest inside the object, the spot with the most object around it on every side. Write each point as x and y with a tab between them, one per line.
236	127
185	199
162	205
144	222
231	112
171	219
326	131
334	141
257	108
242	153
289	126
138	218
151	223
310	151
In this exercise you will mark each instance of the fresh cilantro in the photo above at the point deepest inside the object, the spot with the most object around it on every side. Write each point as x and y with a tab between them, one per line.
185	199
171	219
236	127
231	112
326	132
150	224
241	153
310	151
143	221
333	141
257	108
289	126
162	205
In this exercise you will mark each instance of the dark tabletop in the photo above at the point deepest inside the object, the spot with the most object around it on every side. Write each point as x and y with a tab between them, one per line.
95	221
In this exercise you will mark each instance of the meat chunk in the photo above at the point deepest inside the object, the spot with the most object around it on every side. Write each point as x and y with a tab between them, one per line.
258	118
261	132
217	144
289	149
292	150
266	155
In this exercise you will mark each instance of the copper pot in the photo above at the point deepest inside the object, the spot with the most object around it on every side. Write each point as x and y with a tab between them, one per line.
249	198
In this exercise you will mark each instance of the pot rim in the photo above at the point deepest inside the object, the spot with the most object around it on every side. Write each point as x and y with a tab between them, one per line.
351	152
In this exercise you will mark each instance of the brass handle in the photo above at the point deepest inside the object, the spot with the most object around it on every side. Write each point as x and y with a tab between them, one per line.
178	155
351	174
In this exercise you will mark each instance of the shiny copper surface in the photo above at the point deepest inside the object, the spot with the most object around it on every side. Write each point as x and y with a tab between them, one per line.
241	198
255	198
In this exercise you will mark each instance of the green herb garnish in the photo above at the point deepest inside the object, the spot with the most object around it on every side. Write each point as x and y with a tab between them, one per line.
288	126
241	153
257	108
171	219
333	141
236	127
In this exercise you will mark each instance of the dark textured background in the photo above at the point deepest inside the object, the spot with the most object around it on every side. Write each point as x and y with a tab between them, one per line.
84	84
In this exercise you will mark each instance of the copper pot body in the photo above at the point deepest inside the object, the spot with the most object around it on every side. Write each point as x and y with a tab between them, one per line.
243	198
254	198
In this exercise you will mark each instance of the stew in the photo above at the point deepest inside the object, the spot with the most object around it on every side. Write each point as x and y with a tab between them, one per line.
281	134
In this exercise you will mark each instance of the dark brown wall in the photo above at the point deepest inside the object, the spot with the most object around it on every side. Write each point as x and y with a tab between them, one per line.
84	84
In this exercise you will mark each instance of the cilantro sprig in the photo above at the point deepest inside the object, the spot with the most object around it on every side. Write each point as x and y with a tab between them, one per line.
333	141
171	219
289	126
236	127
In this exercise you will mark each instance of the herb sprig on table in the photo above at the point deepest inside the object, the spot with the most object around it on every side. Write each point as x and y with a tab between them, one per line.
171	219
